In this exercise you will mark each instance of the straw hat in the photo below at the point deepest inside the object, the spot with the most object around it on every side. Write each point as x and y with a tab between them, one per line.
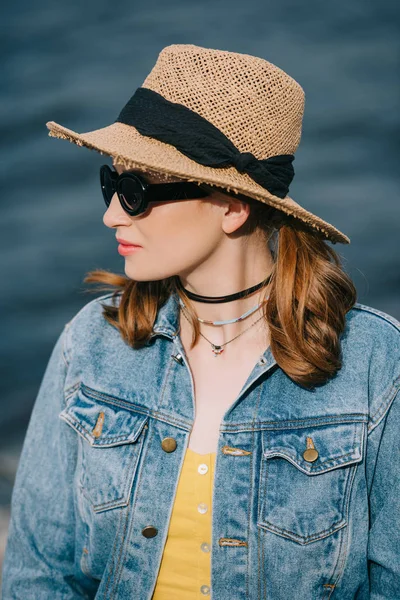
235	118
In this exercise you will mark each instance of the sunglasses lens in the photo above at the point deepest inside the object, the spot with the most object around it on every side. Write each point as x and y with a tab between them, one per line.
131	193
106	182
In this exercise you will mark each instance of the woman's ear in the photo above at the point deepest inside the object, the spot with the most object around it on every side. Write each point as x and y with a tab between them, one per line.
235	214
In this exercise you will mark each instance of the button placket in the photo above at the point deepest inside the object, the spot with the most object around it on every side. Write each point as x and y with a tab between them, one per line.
202	490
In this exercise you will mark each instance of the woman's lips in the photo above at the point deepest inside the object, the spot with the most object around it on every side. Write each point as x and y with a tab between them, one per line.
126	249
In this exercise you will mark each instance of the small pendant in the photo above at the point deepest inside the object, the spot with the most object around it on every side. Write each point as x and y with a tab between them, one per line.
217	349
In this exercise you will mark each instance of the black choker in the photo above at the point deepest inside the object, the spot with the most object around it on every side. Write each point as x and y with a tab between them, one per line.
229	298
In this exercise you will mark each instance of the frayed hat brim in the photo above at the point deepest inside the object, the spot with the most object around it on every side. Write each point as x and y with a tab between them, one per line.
126	146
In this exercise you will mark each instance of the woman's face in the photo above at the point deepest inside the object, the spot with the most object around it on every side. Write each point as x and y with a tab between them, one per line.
174	237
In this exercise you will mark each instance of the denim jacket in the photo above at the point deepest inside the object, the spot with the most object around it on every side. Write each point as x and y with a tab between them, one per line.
306	496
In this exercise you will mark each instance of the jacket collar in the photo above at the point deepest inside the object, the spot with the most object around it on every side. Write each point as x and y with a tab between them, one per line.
167	320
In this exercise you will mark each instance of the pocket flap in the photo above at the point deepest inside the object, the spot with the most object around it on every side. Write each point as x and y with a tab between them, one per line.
103	420
336	444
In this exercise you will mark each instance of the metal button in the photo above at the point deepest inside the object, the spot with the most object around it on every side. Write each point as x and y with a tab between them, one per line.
149	531
205	590
178	358
202	469
205	547
202	508
310	455
168	444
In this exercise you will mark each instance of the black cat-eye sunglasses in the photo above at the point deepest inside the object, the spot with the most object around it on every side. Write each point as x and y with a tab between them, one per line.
135	193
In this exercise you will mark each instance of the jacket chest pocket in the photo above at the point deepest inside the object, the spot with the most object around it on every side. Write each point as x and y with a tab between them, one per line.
306	479
111	439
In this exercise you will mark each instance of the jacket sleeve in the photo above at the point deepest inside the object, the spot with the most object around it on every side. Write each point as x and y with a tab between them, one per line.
39	559
384	503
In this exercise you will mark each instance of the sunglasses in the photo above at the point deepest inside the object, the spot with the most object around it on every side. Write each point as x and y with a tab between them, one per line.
135	193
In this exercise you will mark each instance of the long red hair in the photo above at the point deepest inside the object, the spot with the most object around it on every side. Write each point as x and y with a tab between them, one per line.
309	296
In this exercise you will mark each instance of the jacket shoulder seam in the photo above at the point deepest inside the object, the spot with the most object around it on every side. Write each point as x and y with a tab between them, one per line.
384	406
64	346
67	327
379	313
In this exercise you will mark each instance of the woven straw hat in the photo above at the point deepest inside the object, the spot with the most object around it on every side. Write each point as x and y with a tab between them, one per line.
252	102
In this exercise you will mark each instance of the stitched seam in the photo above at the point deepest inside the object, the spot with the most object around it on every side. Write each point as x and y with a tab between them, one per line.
378	450
374	311
128	483
260	532
113	400
70	390
116	539
79	427
250	501
164	385
312	470
263	562
342	555
170	420
331	592
110	504
345	537
264	495
380	413
108	399
309	538
327	589
123	552
258	564
65	350
298	423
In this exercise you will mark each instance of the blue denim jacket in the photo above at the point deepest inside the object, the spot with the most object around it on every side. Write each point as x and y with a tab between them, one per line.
306	497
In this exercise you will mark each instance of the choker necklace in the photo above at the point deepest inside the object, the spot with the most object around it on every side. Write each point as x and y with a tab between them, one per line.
228	298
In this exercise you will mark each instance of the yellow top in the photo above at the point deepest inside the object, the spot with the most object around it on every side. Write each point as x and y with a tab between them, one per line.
185	568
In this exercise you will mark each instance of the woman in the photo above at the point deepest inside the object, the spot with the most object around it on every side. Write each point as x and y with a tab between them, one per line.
224	422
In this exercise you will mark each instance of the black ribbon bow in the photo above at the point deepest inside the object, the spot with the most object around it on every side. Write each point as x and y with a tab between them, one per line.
198	139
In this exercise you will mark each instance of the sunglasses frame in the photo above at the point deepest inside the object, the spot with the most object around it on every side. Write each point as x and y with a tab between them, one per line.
150	192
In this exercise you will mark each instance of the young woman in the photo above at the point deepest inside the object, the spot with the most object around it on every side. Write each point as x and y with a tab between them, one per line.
224	422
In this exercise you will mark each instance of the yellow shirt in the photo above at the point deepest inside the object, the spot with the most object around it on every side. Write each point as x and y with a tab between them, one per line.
185	566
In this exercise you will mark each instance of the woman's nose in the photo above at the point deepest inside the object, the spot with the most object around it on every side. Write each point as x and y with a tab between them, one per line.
115	214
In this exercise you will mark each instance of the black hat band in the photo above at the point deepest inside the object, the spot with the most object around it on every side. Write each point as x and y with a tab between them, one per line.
201	141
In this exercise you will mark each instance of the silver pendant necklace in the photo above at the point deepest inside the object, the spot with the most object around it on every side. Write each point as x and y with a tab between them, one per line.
217	350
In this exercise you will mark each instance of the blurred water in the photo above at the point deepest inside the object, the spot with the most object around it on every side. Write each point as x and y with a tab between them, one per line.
79	63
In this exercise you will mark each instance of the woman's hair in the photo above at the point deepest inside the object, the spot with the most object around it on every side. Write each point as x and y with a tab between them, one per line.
309	296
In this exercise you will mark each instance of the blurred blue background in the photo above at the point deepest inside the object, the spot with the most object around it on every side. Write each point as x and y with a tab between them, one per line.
79	63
